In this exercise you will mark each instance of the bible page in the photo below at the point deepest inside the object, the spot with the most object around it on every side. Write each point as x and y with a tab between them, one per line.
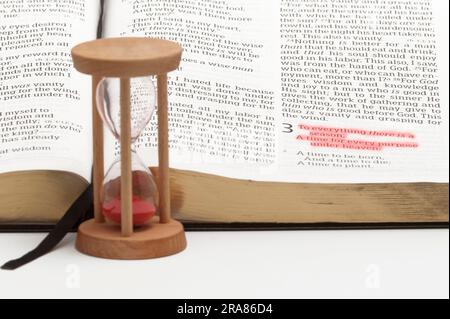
45	105
223	98
364	91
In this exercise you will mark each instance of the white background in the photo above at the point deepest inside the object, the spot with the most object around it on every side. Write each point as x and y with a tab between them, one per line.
287	264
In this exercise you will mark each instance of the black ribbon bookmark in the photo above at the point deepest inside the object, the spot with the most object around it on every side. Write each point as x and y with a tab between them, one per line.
74	215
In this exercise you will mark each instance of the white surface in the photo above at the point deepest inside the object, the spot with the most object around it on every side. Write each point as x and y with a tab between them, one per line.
294	264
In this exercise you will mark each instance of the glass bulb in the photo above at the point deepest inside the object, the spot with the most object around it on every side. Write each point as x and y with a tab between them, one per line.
142	104
145	193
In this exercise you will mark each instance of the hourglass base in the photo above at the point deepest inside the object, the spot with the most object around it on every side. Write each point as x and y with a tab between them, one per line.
150	241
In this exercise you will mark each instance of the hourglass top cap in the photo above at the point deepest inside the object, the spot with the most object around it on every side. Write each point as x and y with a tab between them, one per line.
127	57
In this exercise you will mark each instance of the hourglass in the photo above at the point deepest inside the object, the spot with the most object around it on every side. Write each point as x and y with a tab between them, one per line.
132	218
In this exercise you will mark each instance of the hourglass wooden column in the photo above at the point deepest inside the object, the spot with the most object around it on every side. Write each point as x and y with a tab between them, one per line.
127	58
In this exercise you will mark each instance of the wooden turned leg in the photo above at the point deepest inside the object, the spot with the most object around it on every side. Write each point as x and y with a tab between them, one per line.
125	154
97	143
163	150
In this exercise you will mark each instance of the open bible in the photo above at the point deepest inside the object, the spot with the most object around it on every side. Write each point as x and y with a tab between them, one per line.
312	112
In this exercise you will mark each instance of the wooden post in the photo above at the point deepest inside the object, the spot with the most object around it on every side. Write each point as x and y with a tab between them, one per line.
163	150
125	153
98	153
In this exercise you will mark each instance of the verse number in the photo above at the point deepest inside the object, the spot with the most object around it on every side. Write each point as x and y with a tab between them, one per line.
287	128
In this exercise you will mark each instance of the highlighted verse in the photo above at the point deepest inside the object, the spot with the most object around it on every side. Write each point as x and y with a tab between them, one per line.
349	138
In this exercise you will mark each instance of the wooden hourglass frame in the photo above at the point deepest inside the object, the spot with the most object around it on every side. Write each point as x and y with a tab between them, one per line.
127	58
